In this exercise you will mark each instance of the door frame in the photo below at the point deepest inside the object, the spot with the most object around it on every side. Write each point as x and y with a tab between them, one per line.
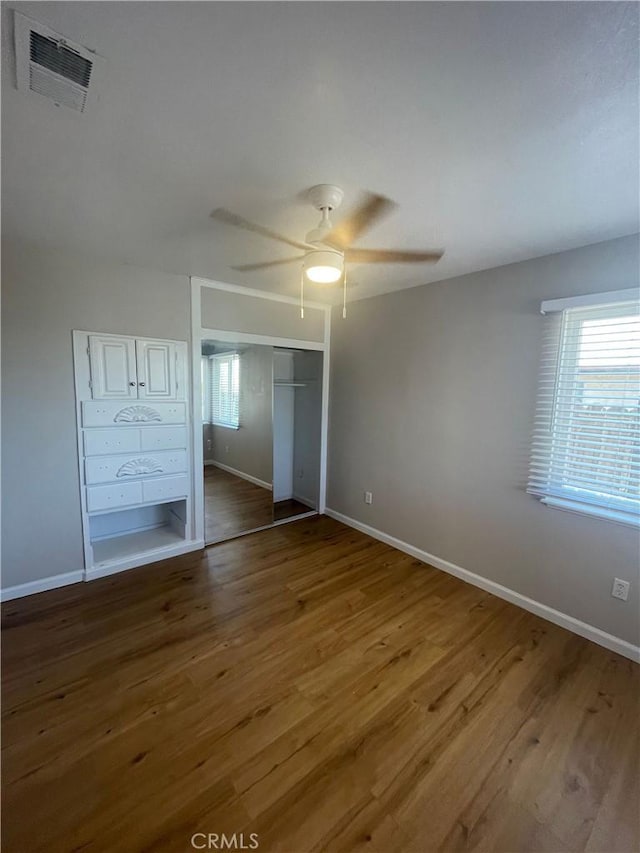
198	334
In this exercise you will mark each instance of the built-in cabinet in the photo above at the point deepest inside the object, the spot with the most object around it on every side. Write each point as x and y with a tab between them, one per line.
134	450
135	369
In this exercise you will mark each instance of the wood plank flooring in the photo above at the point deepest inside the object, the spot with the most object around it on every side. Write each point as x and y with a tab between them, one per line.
233	505
289	508
320	689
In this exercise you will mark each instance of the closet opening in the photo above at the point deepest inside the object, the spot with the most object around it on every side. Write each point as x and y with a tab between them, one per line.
262	428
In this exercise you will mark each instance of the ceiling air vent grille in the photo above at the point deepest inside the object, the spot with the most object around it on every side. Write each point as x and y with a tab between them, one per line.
50	66
57	57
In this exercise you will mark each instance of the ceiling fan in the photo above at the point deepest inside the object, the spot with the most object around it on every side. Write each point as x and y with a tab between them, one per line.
327	248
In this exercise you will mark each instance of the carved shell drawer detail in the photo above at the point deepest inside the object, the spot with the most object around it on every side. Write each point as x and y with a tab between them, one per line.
117	415
105	469
137	414
136	467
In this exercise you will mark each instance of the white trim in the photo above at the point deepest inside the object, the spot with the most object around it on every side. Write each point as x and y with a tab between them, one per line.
258	294
270	526
241	474
578	508
196	411
589	632
143	559
549	306
324	414
267	340
291	518
42	585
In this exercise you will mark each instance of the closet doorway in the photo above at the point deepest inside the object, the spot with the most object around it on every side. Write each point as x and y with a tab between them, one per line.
297	409
261	434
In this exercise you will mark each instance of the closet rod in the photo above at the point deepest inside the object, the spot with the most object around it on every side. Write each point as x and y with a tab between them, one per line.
291	384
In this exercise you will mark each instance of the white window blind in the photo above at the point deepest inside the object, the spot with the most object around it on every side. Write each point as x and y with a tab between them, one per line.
224	392
205	384
586	444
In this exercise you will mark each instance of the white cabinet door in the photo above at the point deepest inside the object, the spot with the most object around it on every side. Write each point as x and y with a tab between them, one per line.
113	367
156	362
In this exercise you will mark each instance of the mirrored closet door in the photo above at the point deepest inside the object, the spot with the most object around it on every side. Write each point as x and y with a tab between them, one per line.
261	414
237	382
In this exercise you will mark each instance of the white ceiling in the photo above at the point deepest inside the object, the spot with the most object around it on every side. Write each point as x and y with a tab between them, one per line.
504	131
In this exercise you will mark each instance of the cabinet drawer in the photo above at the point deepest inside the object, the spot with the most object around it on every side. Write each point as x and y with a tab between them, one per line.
118	494
127	414
103	469
163	438
165	487
100	441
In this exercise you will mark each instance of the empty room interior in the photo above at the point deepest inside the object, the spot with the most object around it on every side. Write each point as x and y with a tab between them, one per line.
320	427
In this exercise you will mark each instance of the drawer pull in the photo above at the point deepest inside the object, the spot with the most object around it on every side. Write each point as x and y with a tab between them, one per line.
135	467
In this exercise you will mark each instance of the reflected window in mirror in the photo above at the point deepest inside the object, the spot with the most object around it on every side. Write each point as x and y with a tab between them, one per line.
221	390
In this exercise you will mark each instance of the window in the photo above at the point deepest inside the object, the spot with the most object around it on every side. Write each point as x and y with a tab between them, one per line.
205	384
586	445
221	390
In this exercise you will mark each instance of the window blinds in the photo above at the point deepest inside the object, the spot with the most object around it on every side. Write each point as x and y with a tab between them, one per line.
586	443
225	389
205	384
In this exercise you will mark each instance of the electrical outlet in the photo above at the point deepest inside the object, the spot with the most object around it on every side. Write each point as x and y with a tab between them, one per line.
300	473
226	448
620	589
208	444
368	497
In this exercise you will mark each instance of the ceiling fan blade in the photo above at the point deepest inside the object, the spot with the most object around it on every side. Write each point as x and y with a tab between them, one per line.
374	207
229	218
265	264
390	256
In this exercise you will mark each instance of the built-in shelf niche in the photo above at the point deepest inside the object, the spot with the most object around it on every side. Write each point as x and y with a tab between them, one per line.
125	533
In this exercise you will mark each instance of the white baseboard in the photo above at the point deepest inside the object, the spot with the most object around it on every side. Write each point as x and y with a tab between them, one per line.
55	581
240	474
614	644
303	499
42	585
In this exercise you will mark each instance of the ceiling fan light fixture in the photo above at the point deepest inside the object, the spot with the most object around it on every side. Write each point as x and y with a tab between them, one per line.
323	266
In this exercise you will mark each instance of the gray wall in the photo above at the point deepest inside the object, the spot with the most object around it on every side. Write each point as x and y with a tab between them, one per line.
432	397
45	295
249	449
234	312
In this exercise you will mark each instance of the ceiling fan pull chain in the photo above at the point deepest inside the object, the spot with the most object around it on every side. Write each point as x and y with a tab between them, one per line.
344	295
302	294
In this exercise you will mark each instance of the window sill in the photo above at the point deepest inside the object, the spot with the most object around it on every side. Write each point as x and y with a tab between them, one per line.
619	516
226	426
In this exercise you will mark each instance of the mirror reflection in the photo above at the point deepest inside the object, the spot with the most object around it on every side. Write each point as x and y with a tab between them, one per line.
237	382
261	415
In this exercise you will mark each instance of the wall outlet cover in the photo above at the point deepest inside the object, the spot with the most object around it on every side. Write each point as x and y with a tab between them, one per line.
620	589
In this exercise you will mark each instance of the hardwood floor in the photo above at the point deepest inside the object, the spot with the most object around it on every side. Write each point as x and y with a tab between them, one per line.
289	508
318	688
233	505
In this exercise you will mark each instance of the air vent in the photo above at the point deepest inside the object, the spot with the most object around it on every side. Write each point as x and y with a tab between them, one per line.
53	67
